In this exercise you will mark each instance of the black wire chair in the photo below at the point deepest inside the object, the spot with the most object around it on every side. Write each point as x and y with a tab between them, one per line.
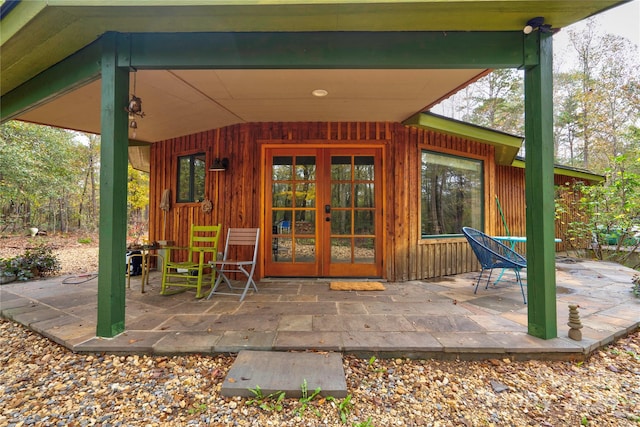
493	254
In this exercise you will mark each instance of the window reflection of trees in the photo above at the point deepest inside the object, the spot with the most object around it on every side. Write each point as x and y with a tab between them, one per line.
451	194
191	176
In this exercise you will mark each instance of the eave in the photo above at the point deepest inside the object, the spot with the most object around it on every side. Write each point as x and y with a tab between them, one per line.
506	145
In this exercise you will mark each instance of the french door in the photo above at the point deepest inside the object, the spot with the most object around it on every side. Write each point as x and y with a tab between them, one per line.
324	211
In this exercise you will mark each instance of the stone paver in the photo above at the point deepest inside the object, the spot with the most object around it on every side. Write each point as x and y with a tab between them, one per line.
290	373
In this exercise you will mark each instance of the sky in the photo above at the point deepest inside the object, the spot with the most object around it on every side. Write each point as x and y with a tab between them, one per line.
622	21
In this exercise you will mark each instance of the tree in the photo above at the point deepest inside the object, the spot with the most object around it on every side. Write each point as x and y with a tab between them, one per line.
494	101
88	205
38	177
138	203
597	100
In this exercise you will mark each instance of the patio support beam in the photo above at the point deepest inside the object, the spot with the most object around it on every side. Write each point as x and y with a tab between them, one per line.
113	191
539	190
330	50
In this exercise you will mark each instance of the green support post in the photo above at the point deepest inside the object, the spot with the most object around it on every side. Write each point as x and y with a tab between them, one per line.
113	192
539	190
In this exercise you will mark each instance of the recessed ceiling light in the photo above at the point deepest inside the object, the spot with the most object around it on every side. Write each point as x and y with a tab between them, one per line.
319	93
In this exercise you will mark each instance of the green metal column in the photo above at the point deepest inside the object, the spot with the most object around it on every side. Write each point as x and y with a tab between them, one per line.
541	277
113	191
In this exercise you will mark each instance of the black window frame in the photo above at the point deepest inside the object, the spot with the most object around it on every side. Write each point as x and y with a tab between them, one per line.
192	189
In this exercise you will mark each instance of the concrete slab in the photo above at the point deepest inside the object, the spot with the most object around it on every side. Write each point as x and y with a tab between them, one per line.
308	340
33	314
9	304
186	342
235	341
296	322
285	372
391	343
127	342
433	323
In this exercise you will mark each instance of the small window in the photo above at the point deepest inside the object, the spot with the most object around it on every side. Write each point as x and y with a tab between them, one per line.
191	173
451	194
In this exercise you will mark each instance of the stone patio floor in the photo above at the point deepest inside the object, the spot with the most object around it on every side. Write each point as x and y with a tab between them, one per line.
440	318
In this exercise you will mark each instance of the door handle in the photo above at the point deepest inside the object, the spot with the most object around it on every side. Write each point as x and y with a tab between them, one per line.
327	209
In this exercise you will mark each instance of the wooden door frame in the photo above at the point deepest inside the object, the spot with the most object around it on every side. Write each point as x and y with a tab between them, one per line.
266	145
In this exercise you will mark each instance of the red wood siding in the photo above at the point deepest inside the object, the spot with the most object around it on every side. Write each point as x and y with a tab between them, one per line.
236	193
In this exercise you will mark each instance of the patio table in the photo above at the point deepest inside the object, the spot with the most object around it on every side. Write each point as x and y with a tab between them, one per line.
511	242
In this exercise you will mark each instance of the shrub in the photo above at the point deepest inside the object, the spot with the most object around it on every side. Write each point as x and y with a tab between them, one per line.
35	262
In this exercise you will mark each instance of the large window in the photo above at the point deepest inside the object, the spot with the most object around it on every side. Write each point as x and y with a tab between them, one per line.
452	189
191	172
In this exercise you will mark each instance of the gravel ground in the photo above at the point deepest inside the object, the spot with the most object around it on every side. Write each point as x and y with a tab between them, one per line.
44	384
75	257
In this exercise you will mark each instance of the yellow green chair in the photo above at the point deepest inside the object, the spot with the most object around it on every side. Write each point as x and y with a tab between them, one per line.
189	272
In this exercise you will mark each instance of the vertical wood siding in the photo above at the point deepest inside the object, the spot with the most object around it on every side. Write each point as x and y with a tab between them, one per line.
510	183
235	193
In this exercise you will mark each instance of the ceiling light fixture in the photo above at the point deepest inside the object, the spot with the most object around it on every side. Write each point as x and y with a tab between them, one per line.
319	93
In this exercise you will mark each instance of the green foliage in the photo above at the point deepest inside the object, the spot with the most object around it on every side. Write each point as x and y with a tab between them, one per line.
41	174
344	407
84	240
270	402
371	365
306	398
39	261
367	423
197	409
137	202
607	216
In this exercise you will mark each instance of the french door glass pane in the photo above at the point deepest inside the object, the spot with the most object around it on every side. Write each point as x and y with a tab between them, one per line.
364	223
364	250
340	250
341	222
365	197
282	192
341	195
281	249
281	168
305	250
305	168
305	194
341	167
305	222
364	168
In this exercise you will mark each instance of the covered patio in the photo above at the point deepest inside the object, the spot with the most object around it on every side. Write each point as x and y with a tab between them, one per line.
417	319
214	64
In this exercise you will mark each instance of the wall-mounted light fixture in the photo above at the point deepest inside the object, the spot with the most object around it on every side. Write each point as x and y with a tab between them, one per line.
537	23
219	165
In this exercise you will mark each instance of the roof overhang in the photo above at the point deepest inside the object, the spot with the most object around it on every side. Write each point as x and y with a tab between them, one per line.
568	171
506	145
204	64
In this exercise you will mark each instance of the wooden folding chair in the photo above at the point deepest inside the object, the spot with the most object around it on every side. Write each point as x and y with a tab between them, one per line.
189	273
236	239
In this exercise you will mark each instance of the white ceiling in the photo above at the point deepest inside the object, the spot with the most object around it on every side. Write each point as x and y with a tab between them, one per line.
181	102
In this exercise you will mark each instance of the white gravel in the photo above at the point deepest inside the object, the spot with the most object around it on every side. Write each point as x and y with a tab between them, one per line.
44	384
